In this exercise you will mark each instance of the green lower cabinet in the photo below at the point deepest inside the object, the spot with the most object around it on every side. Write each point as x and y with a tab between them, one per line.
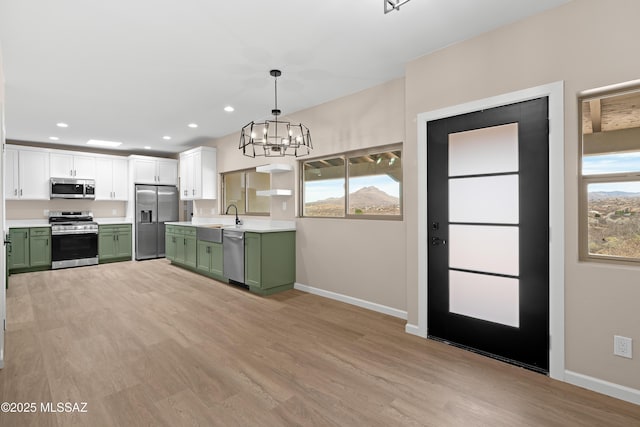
19	248
29	250
181	245
270	261
40	247
114	243
210	258
170	246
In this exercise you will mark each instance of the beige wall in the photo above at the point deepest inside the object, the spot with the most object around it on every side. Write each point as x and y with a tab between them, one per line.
359	258
588	44
35	209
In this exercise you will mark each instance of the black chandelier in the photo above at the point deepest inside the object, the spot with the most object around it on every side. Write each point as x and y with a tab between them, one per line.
275	138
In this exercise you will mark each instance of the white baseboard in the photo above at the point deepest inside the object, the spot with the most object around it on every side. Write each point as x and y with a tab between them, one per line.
604	387
353	301
413	330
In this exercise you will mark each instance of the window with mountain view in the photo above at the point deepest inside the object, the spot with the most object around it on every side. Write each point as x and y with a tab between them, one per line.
365	184
610	185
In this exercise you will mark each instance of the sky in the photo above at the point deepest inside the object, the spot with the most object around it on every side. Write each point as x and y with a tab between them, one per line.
324	189
612	163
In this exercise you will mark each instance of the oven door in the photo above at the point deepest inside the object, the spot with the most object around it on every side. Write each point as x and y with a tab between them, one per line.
73	250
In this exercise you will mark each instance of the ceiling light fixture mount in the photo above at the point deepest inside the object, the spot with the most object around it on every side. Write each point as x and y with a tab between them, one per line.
391	5
275	138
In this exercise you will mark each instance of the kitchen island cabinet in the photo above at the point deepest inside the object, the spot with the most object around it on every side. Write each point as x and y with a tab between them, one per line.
210	259
269	254
181	245
269	261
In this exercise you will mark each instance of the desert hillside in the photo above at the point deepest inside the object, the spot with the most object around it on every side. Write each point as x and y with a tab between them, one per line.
366	201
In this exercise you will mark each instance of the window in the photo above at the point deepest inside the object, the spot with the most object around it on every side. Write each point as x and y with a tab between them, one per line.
241	189
364	184
610	177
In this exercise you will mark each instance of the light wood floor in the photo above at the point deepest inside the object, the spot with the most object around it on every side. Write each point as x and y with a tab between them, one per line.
151	344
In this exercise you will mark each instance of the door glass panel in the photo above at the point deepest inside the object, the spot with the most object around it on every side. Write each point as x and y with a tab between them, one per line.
484	248
491	298
490	199
484	151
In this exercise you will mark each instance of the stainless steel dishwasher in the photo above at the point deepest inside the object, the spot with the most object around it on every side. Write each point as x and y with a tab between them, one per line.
233	260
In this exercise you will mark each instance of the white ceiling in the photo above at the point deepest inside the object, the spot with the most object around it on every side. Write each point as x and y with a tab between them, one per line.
136	70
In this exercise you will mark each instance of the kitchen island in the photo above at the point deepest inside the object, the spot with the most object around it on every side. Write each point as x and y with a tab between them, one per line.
269	252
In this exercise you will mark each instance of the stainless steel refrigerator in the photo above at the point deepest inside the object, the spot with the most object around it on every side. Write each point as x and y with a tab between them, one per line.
155	205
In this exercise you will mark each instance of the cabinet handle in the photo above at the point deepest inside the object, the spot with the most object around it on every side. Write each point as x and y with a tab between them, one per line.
194	191
46	242
21	192
71	172
26	235
15	192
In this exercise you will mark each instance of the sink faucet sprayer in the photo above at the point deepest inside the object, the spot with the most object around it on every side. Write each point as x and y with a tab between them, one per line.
238	222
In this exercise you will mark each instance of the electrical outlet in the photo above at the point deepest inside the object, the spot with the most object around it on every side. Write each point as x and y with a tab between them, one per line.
622	346
114	211
284	206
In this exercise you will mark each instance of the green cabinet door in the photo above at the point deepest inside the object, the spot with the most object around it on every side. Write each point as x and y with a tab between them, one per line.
204	256
114	243
40	247
216	258
253	259
270	261
19	248
210	258
171	246
106	244
191	251
123	240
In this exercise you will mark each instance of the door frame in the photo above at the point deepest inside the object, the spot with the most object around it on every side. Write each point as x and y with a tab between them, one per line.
555	92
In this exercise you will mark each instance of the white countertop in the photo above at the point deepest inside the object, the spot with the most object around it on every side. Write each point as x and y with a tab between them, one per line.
25	223
107	221
20	223
251	225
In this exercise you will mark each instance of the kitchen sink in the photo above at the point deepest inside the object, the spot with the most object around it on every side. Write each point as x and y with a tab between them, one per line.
209	233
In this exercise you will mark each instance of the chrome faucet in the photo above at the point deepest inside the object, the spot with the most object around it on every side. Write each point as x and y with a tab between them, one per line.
238	221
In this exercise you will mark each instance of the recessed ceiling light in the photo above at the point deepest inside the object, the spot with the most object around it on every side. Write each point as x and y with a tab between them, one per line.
167	137
103	143
229	109
192	125
54	138
146	147
62	125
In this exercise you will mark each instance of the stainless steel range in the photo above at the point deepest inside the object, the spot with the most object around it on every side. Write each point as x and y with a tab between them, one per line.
74	239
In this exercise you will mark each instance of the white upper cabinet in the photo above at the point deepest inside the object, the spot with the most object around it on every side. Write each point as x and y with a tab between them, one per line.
198	174
153	170
111	178
26	174
67	165
11	178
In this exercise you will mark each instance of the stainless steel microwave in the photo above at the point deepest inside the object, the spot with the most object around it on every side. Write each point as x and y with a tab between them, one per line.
72	188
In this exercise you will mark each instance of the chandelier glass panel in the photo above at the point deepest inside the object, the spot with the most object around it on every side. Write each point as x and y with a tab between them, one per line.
275	138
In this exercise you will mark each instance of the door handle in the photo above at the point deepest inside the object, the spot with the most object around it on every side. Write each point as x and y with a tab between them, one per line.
436	241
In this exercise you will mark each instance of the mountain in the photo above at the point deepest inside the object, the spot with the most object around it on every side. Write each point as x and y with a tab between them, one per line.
600	195
366	196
